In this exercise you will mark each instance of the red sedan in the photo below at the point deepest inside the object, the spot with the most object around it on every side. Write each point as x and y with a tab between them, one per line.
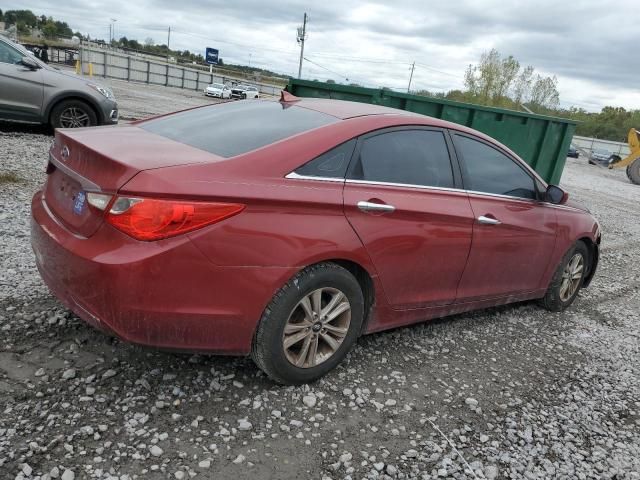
286	230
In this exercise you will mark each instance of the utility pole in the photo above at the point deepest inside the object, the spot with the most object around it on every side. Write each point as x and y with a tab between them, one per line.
112	30
413	65
301	36
168	40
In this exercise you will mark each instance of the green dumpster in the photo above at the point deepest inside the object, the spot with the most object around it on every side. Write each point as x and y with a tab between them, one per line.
541	141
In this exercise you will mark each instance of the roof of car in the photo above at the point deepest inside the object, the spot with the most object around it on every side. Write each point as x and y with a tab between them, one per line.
345	109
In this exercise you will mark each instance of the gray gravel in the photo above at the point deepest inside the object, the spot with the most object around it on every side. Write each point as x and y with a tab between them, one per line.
511	392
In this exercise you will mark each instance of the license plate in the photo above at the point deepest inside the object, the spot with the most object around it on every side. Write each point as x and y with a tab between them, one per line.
78	203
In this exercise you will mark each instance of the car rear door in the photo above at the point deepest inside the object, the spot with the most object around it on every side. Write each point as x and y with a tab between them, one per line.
400	197
21	88
513	232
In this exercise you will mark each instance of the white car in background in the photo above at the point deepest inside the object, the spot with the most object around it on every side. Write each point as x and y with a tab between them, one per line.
245	91
218	90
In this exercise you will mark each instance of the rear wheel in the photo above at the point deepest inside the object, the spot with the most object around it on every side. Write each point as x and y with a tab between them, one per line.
633	171
73	114
310	325
568	279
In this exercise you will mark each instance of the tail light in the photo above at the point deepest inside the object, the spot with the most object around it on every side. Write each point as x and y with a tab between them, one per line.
151	219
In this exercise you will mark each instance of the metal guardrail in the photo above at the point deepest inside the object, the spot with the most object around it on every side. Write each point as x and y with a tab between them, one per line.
588	144
121	66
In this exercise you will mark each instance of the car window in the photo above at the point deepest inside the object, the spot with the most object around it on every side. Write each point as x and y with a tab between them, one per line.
412	157
490	171
233	128
332	164
9	55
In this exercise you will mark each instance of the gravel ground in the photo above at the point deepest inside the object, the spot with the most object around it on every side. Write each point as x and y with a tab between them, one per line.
511	392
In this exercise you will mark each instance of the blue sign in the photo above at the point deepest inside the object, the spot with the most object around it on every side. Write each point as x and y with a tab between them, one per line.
211	56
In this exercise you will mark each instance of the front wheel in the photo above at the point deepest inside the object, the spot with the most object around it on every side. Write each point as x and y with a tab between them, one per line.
568	279
73	114
310	325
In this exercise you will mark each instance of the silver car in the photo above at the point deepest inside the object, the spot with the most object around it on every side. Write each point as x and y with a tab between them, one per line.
32	91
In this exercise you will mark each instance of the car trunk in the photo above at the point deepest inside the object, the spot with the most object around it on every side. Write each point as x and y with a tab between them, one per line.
102	160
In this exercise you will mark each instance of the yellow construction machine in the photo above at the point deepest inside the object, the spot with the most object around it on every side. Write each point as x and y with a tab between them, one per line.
631	161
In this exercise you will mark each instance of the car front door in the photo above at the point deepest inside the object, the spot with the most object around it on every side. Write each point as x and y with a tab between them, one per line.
514	232
401	200
21	88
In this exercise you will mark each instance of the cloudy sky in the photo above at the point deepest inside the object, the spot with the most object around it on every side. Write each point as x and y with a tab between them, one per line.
591	46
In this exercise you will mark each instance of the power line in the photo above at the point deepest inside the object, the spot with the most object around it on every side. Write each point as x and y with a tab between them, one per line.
327	69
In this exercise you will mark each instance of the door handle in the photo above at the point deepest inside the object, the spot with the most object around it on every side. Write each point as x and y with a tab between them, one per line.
488	220
375	207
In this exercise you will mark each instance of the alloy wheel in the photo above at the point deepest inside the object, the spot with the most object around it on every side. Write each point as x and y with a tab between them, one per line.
74	117
571	277
316	327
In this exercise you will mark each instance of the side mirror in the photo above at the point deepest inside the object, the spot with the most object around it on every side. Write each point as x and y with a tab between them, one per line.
556	195
30	63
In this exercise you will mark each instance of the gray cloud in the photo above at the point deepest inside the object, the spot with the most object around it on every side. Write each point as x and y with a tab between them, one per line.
586	45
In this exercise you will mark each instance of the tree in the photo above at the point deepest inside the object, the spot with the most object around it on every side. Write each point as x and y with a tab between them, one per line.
49	30
149	42
23	29
522	85
26	16
499	81
544	92
1	16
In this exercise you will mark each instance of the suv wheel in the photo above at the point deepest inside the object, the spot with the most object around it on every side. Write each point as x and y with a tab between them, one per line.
73	114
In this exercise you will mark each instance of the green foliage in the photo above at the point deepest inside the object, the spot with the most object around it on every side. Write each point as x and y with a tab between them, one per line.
27	17
498	81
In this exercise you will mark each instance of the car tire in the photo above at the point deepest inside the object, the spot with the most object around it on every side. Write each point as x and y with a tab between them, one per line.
565	284
73	114
633	171
309	349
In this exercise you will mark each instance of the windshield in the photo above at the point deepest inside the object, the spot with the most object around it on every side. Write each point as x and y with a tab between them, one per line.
600	151
217	85
21	50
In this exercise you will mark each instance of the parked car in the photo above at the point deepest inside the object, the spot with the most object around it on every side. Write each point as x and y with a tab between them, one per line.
336	220
599	155
218	90
573	151
245	91
32	91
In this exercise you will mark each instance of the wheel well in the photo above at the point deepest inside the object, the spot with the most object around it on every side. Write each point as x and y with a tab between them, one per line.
593	259
366	284
58	101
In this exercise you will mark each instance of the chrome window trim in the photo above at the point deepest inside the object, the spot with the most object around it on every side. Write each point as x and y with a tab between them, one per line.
295	176
403	185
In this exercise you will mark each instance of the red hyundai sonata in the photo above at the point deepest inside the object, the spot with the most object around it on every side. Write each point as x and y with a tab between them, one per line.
286	230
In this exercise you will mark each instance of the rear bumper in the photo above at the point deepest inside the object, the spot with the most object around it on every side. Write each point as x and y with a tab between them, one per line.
164	294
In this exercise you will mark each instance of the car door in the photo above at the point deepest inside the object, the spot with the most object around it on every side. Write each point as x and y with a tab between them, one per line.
400	197
513	233
21	88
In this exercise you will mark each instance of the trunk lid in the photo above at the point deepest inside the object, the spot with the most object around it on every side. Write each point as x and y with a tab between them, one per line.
103	160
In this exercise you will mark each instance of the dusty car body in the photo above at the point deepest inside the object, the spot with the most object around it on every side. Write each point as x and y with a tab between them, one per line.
337	219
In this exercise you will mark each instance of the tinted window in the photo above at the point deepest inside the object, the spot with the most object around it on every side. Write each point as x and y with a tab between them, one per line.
490	171
233	128
414	157
332	164
9	55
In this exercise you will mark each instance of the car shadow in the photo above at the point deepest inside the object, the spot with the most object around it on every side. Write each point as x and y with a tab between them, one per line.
15	127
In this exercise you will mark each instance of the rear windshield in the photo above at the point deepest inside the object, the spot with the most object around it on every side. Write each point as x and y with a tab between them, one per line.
234	128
